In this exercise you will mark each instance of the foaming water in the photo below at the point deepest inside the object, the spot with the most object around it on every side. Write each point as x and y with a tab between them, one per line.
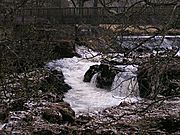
84	97
125	85
94	79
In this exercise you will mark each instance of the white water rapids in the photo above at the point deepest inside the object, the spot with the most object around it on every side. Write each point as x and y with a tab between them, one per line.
85	97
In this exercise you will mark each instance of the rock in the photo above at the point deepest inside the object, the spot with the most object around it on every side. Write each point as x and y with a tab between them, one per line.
43	132
68	115
83	119
54	83
52	97
3	112
107	132
91	72
64	49
17	105
169	124
52	115
105	77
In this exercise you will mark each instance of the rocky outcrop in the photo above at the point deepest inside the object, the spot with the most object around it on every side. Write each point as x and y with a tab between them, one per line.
159	77
54	83
105	75
91	72
58	113
68	115
41	117
64	49
41	104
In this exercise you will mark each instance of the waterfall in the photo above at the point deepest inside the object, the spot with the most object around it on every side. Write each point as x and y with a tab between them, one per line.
94	79
83	97
125	85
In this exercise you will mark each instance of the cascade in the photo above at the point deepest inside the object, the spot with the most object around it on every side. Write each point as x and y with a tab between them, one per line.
83	97
94	79
125	85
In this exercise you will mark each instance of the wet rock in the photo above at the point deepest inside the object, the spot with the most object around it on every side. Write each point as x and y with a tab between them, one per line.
91	72
105	77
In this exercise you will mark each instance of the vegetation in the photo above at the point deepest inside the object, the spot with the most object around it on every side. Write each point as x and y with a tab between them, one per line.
26	48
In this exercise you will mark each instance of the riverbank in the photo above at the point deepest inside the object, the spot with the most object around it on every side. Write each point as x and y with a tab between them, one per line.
144	117
34	99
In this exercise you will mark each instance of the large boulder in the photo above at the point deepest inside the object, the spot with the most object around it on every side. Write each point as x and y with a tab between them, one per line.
54	83
91	72
68	115
52	115
105	75
159	77
64	49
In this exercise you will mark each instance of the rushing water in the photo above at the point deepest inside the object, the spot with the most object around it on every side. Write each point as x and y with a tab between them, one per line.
125	85
85	97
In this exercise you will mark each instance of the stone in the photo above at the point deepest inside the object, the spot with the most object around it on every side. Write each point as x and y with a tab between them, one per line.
17	105
54	83
91	72
52	115
106	74
68	115
169	124
52	97
105	77
43	132
3	112
63	49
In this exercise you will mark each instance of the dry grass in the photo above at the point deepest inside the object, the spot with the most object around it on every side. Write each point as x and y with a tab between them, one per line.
139	30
